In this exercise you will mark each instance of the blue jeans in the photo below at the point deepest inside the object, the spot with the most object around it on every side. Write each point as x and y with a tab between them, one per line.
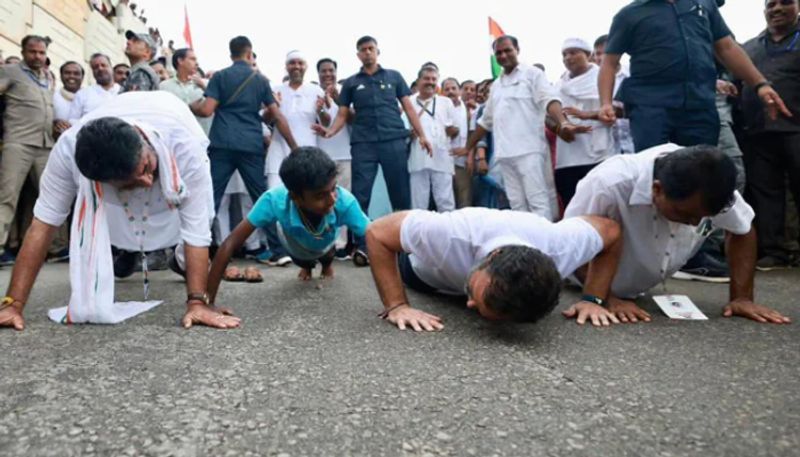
655	125
392	156
251	167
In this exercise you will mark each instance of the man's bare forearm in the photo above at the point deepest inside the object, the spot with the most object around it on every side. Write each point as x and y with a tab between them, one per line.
30	259
475	136
741	250
383	245
607	78
737	61
603	268
196	269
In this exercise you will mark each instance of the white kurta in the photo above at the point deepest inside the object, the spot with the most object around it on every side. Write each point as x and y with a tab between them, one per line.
90	98
621	188
435	115
61	106
299	107
338	147
178	129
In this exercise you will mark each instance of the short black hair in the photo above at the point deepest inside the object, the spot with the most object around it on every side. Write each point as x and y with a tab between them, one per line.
179	55
122	65
327	60
307	168
366	39
70	62
239	46
540	66
108	149
34	39
450	79
525	283
100	54
465	82
426	69
502	38
601	40
705	169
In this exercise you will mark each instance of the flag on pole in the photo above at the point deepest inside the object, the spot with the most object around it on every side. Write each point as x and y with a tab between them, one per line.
187	31
495	32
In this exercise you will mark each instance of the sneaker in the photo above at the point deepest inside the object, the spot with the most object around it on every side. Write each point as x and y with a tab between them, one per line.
342	254
60	256
770	262
360	258
7	258
125	263
278	260
704	268
173	265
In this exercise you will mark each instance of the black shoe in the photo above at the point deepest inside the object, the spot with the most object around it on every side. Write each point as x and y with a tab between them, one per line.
342	254
7	258
60	256
771	262
360	258
173	265
705	268
125	263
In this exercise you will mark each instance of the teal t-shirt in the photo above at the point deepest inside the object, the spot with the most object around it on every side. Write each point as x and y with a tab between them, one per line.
275	206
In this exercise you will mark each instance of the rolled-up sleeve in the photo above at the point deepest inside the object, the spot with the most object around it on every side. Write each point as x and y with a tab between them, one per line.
738	219
543	92
58	186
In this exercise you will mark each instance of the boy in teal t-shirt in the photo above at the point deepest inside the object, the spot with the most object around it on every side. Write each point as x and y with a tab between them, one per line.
309	209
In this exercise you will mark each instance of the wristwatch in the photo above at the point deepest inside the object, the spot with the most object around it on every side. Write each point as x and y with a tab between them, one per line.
202	297
8	302
763	83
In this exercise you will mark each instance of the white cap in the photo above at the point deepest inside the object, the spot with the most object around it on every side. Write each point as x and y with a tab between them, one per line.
295	55
576	43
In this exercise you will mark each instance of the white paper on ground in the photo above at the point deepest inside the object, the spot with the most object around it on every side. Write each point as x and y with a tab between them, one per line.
123	310
679	307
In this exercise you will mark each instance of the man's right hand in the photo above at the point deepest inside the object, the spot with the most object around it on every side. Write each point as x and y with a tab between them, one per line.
414	318
320	130
12	317
607	115
584	310
627	311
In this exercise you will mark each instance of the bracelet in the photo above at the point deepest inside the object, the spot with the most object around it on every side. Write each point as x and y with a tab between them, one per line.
8	302
198	296
593	299
387	311
758	86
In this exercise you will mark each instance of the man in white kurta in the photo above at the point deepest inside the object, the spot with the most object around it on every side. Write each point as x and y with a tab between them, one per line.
140	213
90	98
661	233
301	104
432	174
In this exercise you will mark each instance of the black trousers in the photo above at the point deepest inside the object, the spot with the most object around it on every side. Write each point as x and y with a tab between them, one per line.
567	180
771	158
325	260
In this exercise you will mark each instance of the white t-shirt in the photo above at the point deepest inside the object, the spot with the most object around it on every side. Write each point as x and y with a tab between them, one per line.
443	247
460	120
61	106
338	147
90	98
435	114
299	107
516	110
172	120
588	148
621	188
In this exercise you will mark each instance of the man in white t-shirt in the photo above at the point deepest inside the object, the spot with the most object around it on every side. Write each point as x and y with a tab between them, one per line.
462	179
432	173
103	90
145	160
509	264
302	106
668	199
515	114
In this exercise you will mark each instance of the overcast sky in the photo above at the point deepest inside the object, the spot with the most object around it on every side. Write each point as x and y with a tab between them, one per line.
454	34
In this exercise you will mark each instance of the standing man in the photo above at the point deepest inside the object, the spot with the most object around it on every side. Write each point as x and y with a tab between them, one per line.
515	114
27	129
160	67
236	95
187	85
104	89
623	141
772	145
121	71
462	179
71	80
302	105
378	135
140	50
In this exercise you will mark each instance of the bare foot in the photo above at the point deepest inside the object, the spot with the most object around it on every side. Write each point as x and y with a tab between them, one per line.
304	275
327	272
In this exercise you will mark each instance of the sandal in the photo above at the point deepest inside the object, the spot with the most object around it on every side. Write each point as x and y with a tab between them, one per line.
253	274
233	274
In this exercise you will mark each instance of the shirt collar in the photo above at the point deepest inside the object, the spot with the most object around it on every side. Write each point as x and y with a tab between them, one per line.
42	76
765	34
240	62
296	221
362	72
643	187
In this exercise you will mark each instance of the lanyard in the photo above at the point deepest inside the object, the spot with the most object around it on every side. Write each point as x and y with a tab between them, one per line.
424	107
38	81
789	48
139	231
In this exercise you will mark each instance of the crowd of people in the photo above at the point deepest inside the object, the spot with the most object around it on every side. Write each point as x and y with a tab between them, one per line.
612	179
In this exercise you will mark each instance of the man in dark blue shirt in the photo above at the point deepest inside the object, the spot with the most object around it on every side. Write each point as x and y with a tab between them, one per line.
235	96
670	95
378	134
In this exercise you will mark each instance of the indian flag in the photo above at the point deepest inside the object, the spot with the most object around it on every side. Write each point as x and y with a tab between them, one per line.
495	32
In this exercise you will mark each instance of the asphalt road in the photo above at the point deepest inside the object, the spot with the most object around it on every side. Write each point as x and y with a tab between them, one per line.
315	372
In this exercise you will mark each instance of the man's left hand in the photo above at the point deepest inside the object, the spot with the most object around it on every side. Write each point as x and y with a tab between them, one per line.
198	313
754	311
773	102
568	131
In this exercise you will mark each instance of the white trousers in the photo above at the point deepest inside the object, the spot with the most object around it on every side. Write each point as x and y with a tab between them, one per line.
223	228
425	182
529	184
